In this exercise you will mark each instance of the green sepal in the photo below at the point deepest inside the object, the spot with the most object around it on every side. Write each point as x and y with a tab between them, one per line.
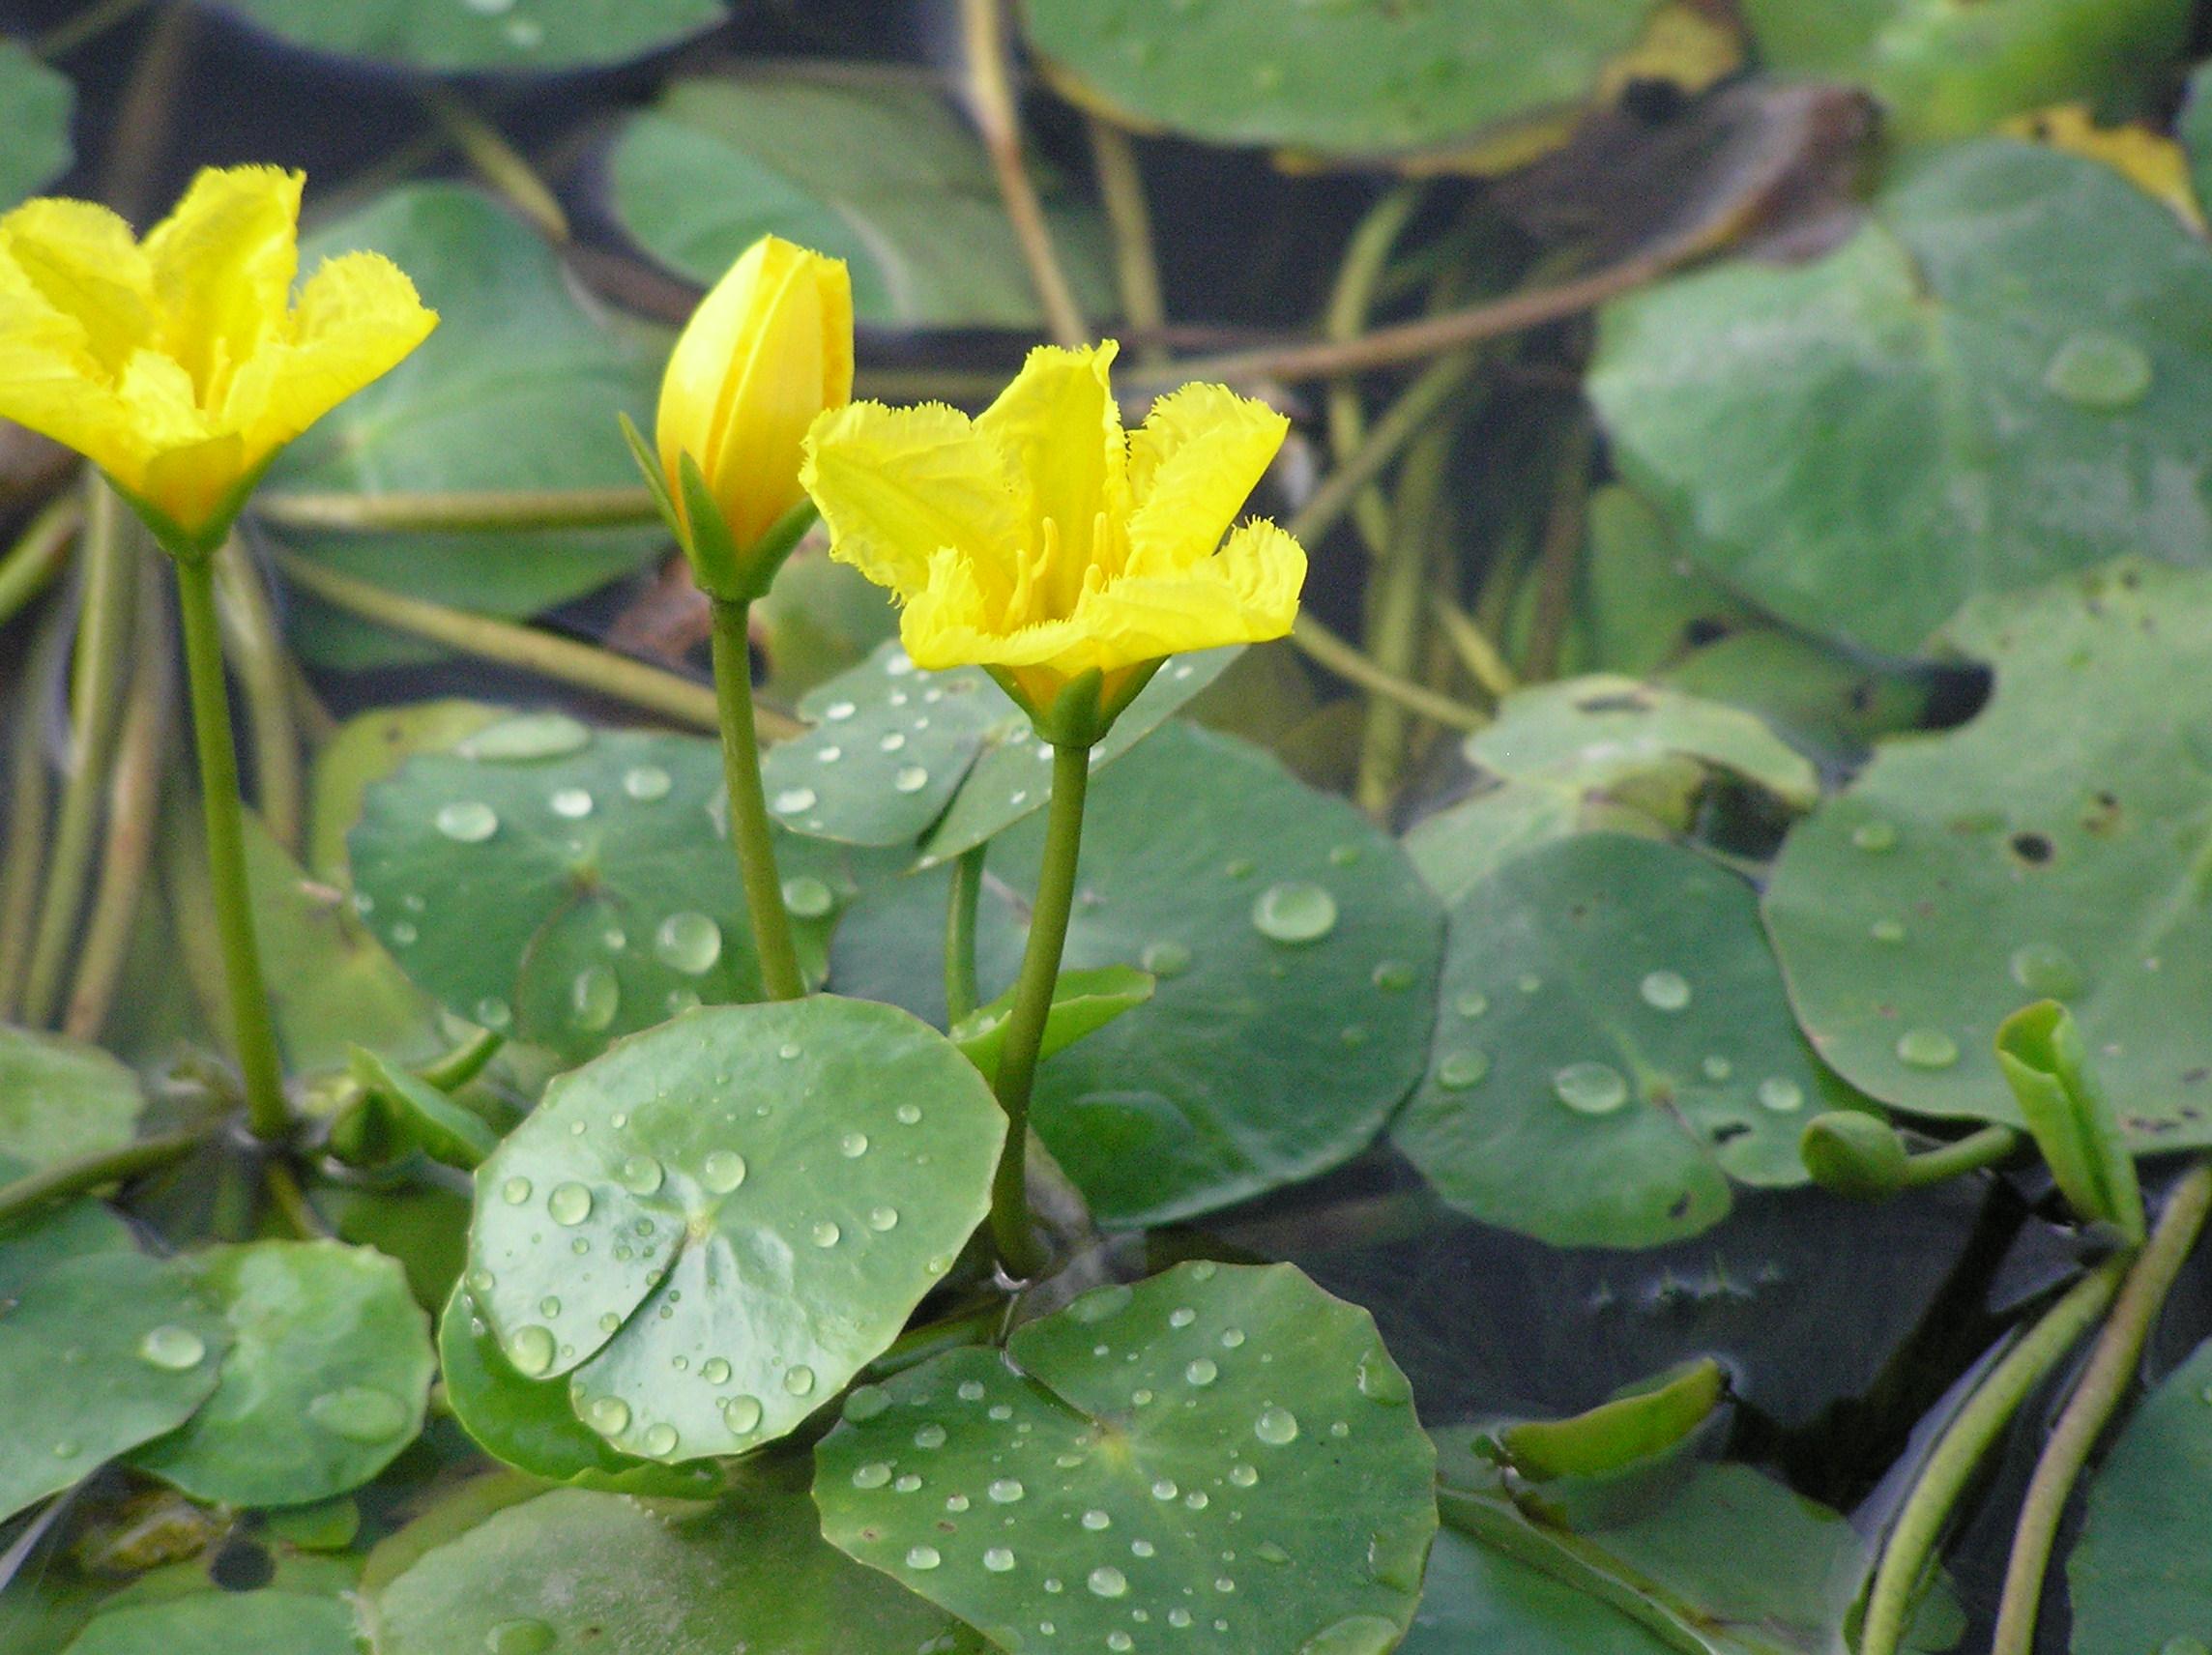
656	482
1081	713
442	1129
2040	1050
1850	1152
1082	1004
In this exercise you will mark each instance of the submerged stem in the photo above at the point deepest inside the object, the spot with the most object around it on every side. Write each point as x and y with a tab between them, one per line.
1010	1225
254	1034
66	1178
960	934
2111	1369
748	805
998	119
30	791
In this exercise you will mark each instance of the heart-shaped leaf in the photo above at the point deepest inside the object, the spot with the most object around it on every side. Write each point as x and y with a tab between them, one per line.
60	1099
1614	1047
2053	848
223	1623
328	1370
514	35
713	1226
1221	1459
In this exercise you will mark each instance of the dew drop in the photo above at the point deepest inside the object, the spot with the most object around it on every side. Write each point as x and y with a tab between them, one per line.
1108	1582
907	1114
1201	1372
1095	1520
1005	1492
467	821
1392	977
640	1175
514	1192
1461	1070
570	1204
549	1308
520	1637
1887	931
608	1415
1591	1088
997	1559
647	783
1927	1049
798	1380
853	1145
1231	1337
883	1218
1717	1067
1243	1475
171	1348
714	1370
837	711
1875	835
909	778
1182	1316
1165	1490
531	1351
2181	1643
687	942
805	897
594	999
1380	1380
742	1413
1276	1426
492	1014
1781	1094
1165	959
1471	1005
572	803
722	1171
1293	911
661	1440
793	799
2099	370
2048	971
875	1475
1268	1552
825	1232
1665	991
1119	1641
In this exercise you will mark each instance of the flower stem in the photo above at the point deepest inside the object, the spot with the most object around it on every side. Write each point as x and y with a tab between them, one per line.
470	511
998	119
261	664
254	1034
748	805
1011	1227
2111	1369
30	792
1913	1537
1346	660
40	554
960	934
64	1179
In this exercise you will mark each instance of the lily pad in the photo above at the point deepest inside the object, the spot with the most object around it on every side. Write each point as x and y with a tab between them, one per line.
529	1424
223	1623
1330	77
367	749
2056	847
570	886
97	1355
2004	363
329	1368
882	173
573	1571
1478	1599
60	1098
1295	956
40	100
1221	1459
713	1226
35	1242
515	35
2140	1577
1614	1049
518	388
1949	71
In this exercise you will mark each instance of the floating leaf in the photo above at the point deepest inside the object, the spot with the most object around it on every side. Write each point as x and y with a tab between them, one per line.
516	35
2004	363
571	886
35	1242
2053	848
367	749
516	390
881	173
1478	1599
60	1099
39	101
1948	70
325	1384
1223	1456
578	1571
1613	1048
1296	954
223	1623
2141	1577
97	1355
2043	1058
716	1224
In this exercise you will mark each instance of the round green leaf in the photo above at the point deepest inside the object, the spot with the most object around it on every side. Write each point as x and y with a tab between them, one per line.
713	1226
1994	381
571	886
882	174
1613	1048
2053	848
1223	1457
1478	1599
520	35
1331	78
528	1423
2141	1573
39	101
223	1623
97	1355
1295	954
1948	70
60	1098
518	388
365	749
329	1368
35	1242
573	1573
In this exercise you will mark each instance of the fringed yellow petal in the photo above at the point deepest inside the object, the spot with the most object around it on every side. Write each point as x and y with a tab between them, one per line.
50	382
358	317
1192	464
222	266
1060	426
1246	595
78	261
898	485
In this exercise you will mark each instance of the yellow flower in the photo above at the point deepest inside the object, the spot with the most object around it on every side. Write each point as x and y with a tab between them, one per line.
1042	542
768	350
178	365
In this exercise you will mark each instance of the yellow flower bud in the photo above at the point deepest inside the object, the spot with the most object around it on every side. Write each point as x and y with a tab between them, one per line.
766	352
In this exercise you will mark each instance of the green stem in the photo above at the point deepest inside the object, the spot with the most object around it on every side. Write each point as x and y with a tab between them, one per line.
677	699
1347	663
748	804
66	1178
960	996
1986	1147
487	511
997	121
1559	558
1399	424
97	679
1349	304
1130	217
40	552
1011	1227
1395	611
1484	662
264	682
254	1034
30	791
497	161
1919	1525
291	1201
2103	1382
